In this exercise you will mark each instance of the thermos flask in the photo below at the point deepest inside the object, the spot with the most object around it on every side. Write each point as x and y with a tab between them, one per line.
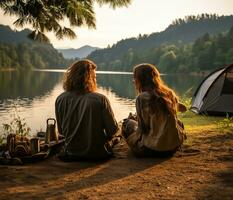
51	134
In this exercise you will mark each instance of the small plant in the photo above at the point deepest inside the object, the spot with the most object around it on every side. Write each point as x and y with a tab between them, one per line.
187	101
186	98
226	123
17	126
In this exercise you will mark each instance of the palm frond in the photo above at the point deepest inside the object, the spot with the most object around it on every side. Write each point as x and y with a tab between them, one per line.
114	3
39	36
80	13
47	15
4	3
69	33
59	33
20	22
65	32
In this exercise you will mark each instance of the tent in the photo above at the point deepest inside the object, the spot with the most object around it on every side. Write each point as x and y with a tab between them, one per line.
214	96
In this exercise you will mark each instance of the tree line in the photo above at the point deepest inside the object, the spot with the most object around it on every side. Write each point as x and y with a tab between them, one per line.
176	49
205	54
30	55
181	34
192	18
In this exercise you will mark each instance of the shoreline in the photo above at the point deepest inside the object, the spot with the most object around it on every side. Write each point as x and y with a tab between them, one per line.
7	69
201	73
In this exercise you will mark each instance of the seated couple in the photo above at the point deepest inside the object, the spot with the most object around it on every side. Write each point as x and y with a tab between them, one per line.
86	120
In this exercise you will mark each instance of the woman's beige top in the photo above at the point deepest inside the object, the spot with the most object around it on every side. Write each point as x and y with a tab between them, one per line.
161	133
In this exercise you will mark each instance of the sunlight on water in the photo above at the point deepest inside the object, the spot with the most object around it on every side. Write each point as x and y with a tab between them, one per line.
34	93
97	72
36	109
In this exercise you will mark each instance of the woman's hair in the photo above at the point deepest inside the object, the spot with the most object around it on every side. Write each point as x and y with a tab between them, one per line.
80	77
163	99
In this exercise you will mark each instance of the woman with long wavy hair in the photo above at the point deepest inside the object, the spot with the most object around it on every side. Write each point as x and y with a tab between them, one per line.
155	130
84	117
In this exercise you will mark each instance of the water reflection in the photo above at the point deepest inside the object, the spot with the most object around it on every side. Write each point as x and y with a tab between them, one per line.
26	84
120	84
183	83
36	92
123	86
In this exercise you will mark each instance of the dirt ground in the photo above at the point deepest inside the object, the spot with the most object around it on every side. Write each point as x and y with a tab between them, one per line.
204	170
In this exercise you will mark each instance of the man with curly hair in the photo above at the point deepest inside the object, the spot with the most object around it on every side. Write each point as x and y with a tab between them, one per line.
84	117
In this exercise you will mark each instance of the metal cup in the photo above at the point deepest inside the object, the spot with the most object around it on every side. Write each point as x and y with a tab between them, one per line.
35	145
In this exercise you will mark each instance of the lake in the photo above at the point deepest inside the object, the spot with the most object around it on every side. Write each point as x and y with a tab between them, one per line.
32	94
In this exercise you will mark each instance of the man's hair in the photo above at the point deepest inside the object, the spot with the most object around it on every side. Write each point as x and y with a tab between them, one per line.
80	77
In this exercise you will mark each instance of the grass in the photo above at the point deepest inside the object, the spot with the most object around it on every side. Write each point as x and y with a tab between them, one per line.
226	123
199	126
195	124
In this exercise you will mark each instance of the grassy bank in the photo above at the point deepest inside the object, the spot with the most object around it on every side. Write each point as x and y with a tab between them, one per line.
195	123
199	127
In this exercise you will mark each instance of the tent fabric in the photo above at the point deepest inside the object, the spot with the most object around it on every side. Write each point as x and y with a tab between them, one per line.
204	88
227	87
215	93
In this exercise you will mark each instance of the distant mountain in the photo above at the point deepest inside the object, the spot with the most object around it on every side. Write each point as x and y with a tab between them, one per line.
18	51
77	53
181	31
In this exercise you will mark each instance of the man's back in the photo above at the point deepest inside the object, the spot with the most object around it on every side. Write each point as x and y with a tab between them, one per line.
86	120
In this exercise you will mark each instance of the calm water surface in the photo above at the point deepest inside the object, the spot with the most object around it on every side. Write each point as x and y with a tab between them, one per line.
34	93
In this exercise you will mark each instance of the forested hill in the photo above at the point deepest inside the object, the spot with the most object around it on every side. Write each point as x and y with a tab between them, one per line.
19	52
8	36
189	29
182	32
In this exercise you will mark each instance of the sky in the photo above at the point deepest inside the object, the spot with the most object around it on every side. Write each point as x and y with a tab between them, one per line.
141	17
